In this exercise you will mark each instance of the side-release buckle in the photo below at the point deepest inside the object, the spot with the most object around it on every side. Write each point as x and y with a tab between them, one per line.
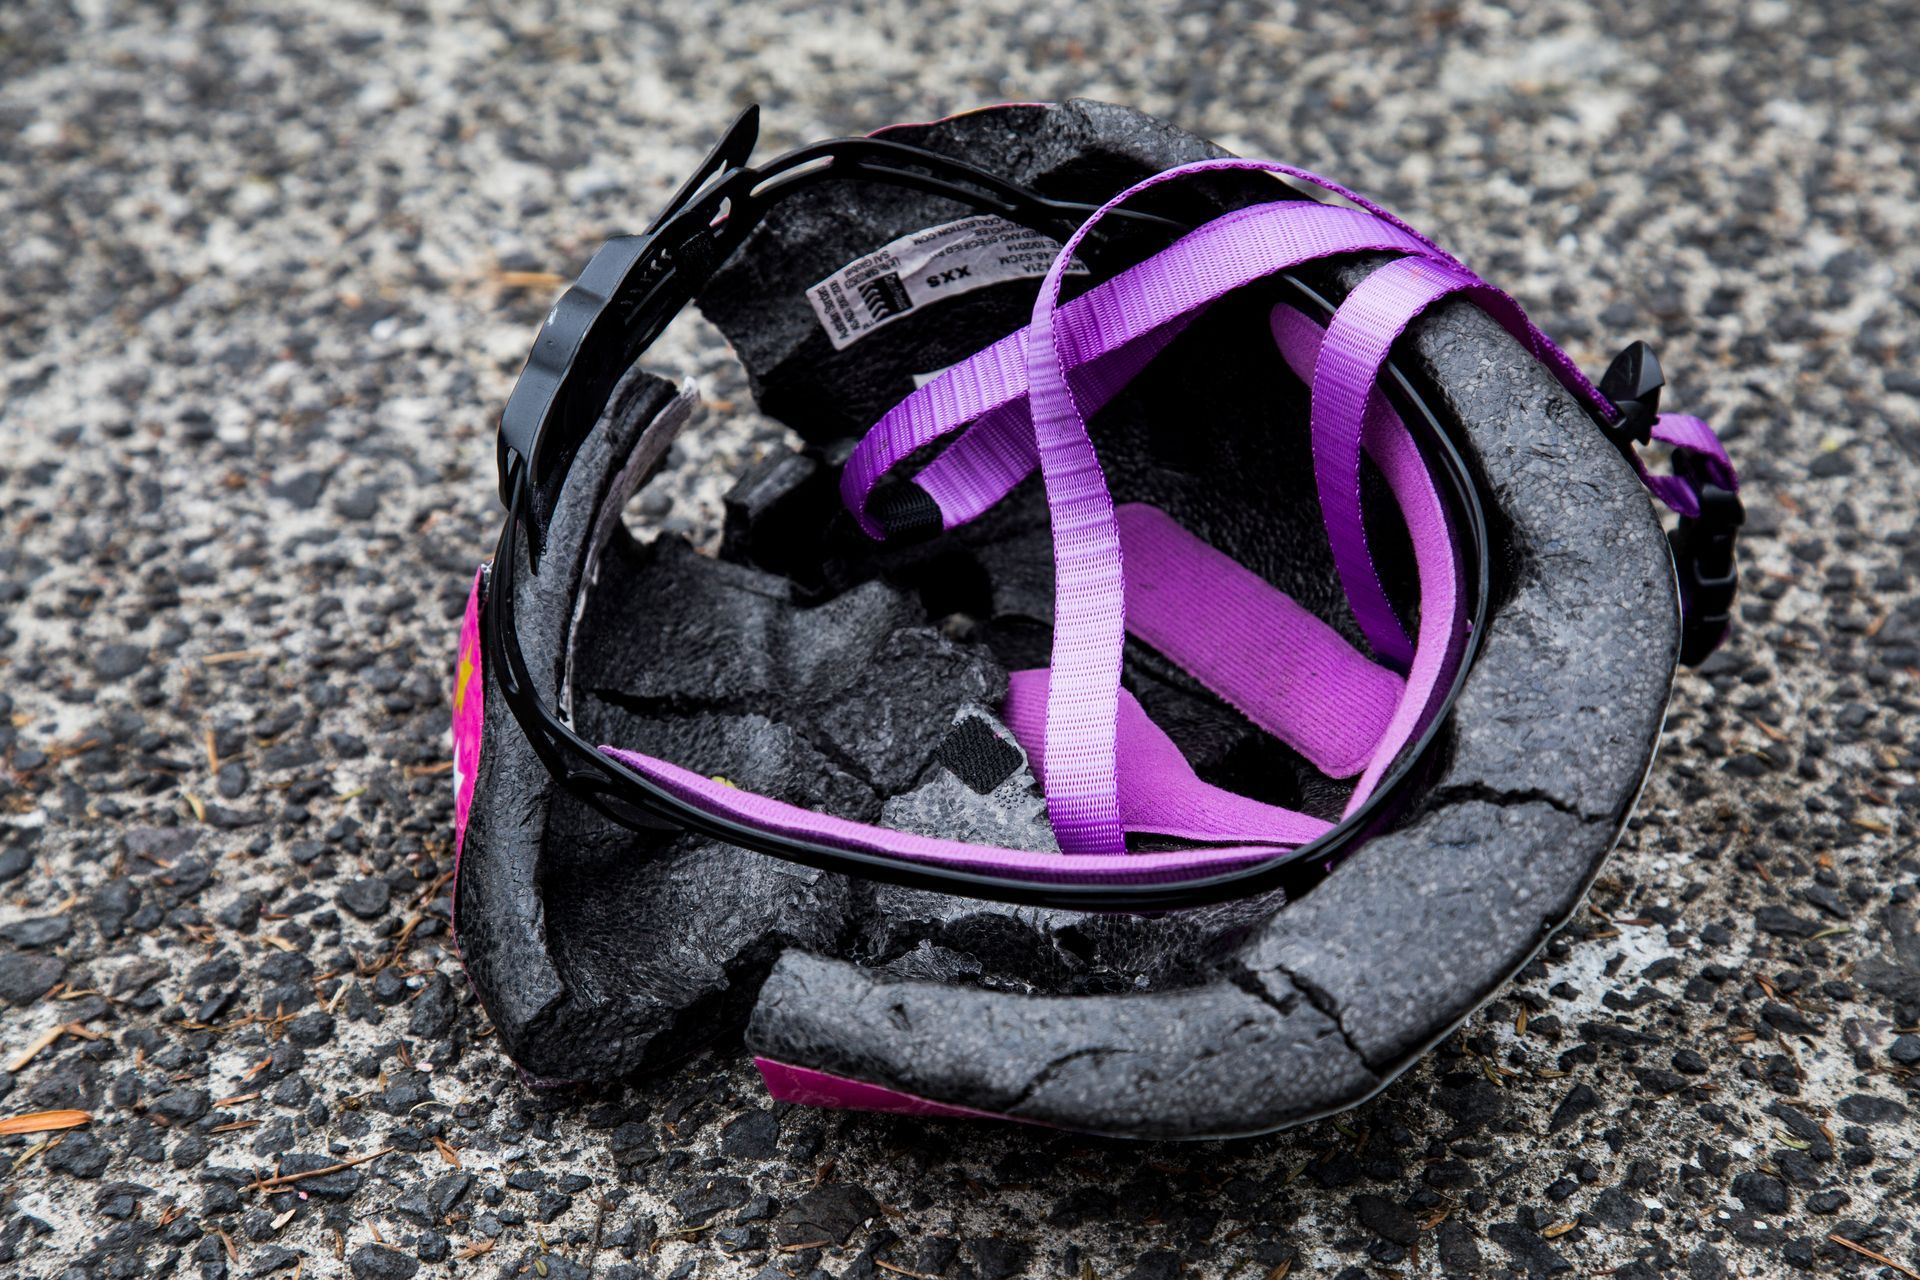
1703	556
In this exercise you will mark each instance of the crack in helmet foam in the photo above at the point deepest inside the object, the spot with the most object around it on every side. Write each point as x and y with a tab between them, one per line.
808	664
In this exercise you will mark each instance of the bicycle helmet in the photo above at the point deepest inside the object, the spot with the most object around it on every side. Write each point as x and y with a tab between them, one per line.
1207	639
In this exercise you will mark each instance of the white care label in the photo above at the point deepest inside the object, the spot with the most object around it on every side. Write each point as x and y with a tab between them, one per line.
940	262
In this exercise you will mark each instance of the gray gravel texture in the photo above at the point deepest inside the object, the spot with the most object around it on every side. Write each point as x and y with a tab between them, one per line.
269	275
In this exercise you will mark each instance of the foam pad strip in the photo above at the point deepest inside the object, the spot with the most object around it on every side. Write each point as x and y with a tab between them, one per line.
1277	664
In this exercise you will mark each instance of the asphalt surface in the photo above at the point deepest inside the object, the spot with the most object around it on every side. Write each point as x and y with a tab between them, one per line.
268	276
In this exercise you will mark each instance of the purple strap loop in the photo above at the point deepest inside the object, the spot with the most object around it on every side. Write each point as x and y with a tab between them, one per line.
1159	791
1693	438
1345	388
1443	623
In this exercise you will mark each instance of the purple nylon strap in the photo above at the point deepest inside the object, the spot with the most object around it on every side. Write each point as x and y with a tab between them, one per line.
988	390
1443	623
1159	792
997	452
1346	388
1090	591
1692	436
769	814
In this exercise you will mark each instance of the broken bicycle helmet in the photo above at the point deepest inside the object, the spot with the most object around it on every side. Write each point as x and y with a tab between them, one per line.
1207	639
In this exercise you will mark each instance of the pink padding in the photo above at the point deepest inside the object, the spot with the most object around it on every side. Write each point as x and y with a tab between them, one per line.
1158	790
1277	664
469	715
1392	448
809	1088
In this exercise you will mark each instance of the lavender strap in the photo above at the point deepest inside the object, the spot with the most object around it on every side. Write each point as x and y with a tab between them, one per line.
1090	580
1346	387
1159	791
1543	348
997	452
1695	438
1089	598
1089	594
1443	623
1260	651
1346	383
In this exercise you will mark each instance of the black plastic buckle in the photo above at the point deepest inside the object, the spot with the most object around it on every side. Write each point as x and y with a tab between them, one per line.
1633	382
1703	557
1703	554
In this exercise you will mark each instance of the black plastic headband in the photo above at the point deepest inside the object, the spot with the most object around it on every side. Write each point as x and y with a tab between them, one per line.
634	286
